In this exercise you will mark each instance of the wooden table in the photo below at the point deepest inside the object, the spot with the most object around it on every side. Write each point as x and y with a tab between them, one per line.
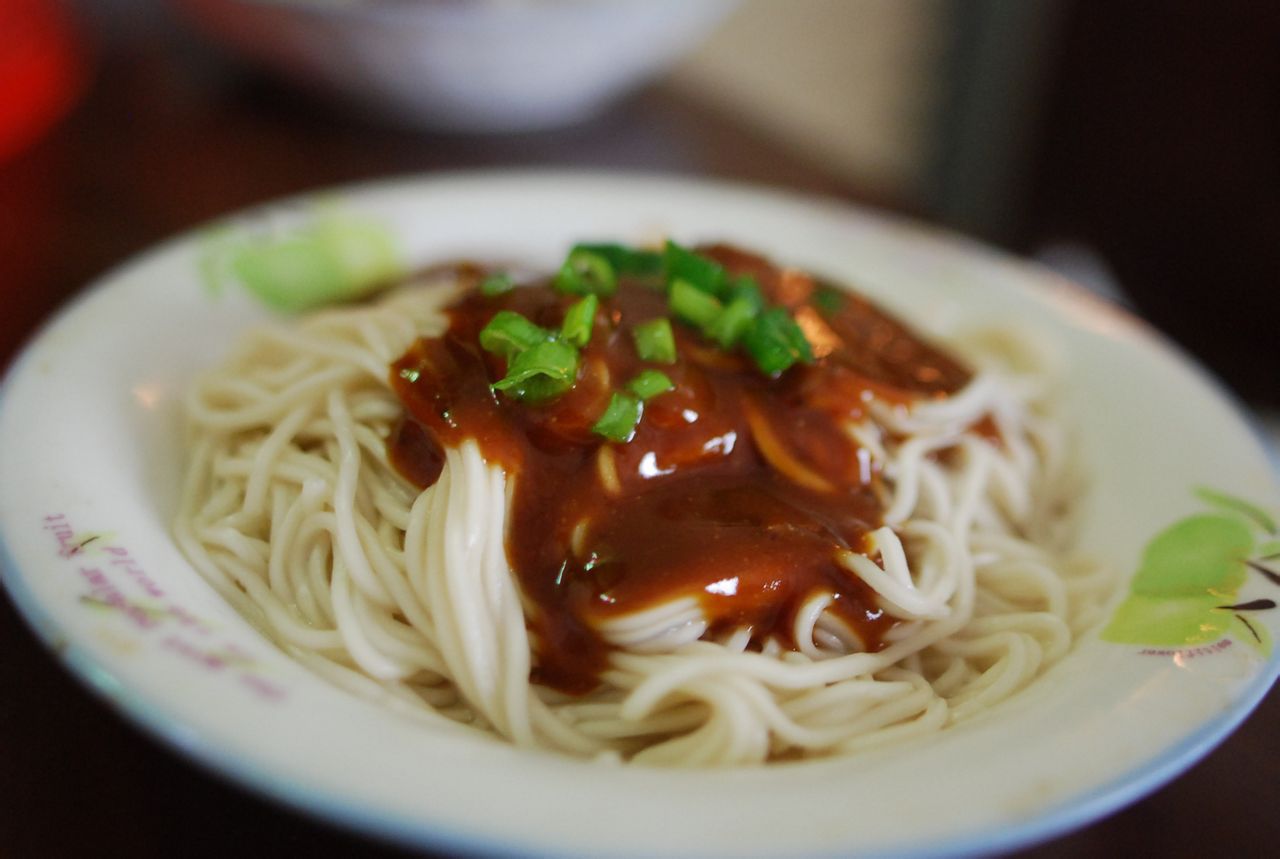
161	144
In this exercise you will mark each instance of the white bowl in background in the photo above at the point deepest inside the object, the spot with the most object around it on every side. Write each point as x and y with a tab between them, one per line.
465	65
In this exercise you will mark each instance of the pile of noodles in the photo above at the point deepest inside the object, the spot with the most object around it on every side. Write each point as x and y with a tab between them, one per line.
293	513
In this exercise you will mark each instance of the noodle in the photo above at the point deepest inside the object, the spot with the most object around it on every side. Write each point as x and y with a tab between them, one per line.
291	510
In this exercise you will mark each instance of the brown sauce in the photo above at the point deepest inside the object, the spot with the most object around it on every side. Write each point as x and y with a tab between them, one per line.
737	491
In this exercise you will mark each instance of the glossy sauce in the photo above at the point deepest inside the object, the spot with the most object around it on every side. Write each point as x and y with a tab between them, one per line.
737	491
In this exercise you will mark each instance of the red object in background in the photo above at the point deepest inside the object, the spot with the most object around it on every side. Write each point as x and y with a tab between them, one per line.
40	71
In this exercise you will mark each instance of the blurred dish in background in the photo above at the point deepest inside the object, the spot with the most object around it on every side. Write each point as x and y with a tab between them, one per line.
464	65
41	71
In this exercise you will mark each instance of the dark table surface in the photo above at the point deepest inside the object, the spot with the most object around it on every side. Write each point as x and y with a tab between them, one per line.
161	143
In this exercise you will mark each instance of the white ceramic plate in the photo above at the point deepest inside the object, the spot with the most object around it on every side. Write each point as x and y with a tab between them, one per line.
89	458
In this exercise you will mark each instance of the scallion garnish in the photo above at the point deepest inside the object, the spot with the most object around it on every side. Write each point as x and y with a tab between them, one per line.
496	284
649	383
542	371
692	304
655	341
586	272
626	260
694	269
775	342
508	334
618	423
744	288
729	311
578	321
727	328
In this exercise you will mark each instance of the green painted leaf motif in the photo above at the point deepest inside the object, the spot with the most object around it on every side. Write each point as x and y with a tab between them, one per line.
1194	556
216	244
1185	592
1169	622
333	259
362	251
1223	501
290	274
1252	633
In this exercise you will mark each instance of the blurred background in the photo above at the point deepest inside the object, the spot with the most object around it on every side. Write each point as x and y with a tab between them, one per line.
1136	143
1133	145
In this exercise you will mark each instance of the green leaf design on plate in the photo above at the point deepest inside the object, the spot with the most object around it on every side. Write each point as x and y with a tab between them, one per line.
1237	505
335	257
1184	592
1169	622
1269	549
1251	632
216	245
1198	554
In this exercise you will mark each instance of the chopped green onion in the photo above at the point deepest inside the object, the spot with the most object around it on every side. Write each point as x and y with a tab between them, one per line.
508	333
649	383
775	342
539	389
618	423
745	288
540	372
795	336
585	273
693	268
626	260
828	300
655	341
496	284
692	304
579	320
727	328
